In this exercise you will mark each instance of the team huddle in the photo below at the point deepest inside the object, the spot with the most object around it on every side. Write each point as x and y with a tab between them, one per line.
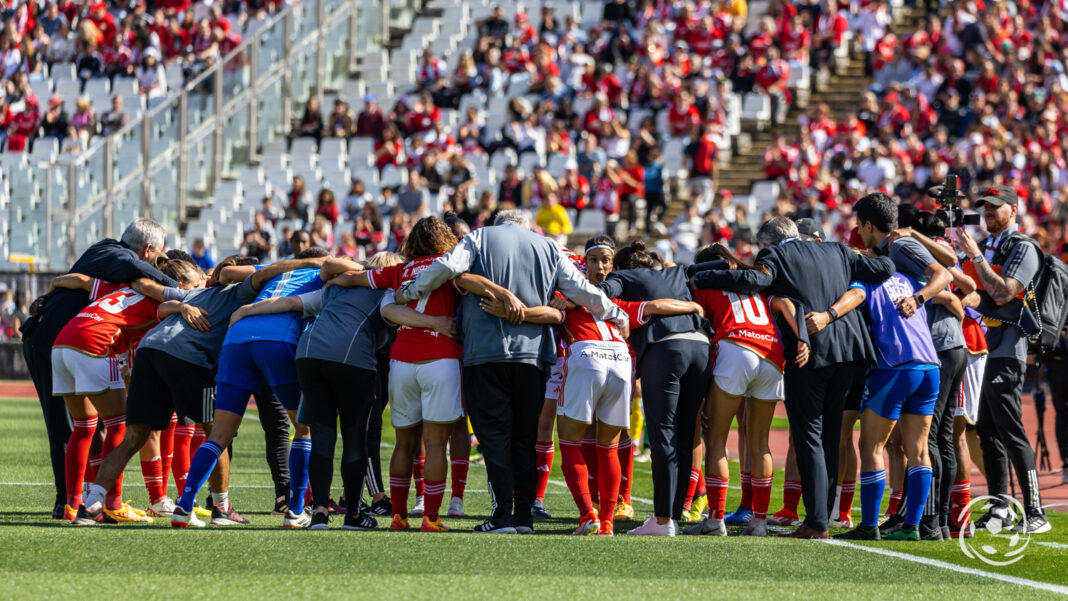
502	333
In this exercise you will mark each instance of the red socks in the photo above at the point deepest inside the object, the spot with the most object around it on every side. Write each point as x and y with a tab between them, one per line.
76	458
398	493
166	450
895	501
435	491
960	496
589	455
761	488
116	431
417	474
691	488
198	439
747	491
626	464
608	478
576	474
791	495
183	440
845	501
716	488
545	466
152	471
458	474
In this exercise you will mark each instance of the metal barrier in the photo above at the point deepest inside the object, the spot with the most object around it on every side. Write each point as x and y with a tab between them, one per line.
173	154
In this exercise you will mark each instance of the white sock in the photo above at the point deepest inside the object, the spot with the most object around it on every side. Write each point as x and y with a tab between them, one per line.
95	499
220	500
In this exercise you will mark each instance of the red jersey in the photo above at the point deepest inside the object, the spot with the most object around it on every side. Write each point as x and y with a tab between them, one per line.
744	320
580	325
974	337
419	344
112	324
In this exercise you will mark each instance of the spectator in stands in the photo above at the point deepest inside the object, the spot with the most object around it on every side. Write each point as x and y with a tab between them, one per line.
686	233
299	241
151	78
553	218
347	246
370	122
537	187
771	80
591	158
202	255
389	149
311	122
322	234
432	75
655	197
341	122
298	200
55	122
257	242
633	188
204	51
460	180
83	122
88	62
113	120
358	196
327	206
483	214
574	189
415	198
464	77
271	212
51	19
494	27
702	156
368	229
21	126
10	57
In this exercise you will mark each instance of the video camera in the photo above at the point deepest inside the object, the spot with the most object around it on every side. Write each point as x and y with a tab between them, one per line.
948	196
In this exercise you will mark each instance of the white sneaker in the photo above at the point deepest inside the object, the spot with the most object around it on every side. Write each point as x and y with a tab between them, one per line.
456	507
182	519
293	520
163	508
651	528
708	527
418	508
840	523
587	527
756	528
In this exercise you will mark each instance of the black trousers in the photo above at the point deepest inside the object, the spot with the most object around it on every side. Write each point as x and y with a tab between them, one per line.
373	479
940	438
504	401
335	393
675	376
38	354
275	423
814	401
1001	431
1057	376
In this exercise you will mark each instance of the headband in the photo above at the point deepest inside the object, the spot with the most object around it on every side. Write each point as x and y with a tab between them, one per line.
604	246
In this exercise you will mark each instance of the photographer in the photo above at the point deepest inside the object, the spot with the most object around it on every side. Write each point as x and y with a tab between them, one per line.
1004	264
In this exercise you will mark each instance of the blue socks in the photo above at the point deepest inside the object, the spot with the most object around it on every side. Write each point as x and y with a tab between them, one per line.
872	485
199	469
299	454
918	491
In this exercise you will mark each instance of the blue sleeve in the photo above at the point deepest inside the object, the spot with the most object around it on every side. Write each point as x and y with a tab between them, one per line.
854	285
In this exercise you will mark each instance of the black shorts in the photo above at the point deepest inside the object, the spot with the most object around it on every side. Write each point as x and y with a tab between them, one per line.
162	384
856	390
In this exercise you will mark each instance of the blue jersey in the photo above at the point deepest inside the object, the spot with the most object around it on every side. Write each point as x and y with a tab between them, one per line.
277	327
899	342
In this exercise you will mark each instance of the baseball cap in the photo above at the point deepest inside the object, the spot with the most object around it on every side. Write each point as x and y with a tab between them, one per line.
997	195
808	228
369	98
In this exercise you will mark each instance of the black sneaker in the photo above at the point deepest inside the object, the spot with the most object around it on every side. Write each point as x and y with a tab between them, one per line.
58	511
538	510
495	526
209	504
91	518
281	504
1034	523
359	521
382	506
891	525
320	521
861	532
984	522
927	533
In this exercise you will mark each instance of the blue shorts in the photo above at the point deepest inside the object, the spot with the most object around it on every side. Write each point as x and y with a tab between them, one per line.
891	392
245	367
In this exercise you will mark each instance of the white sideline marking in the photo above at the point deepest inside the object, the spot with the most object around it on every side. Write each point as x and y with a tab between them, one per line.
1044	586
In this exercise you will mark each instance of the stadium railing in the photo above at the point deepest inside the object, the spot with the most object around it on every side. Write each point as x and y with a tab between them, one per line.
171	155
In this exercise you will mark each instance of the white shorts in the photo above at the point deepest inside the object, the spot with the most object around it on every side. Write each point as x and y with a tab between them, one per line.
424	392
597	383
74	372
555	383
970	388
742	372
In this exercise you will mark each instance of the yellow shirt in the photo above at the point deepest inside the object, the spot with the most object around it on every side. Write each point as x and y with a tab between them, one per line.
554	220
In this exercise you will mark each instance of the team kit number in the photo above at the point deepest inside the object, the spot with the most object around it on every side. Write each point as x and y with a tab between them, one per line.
748	309
116	303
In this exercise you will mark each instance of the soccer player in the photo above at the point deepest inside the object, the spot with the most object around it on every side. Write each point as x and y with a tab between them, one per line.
86	371
749	367
597	385
174	373
256	351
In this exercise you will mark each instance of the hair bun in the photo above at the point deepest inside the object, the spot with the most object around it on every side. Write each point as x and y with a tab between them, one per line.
638	245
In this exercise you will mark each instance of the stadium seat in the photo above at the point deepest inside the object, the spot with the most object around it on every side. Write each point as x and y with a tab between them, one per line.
764	194
756	108
591	221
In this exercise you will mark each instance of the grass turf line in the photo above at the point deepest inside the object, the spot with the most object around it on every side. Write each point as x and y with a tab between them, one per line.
46	559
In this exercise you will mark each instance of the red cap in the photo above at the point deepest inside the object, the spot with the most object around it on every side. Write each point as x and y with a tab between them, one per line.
855	241
55	100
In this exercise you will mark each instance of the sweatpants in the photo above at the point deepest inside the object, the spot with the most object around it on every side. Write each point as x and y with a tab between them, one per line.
1001	431
275	423
940	438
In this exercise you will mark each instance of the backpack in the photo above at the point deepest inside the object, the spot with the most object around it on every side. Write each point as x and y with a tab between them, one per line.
1047	297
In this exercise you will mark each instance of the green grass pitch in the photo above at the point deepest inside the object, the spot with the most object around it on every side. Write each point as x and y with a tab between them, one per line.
45	559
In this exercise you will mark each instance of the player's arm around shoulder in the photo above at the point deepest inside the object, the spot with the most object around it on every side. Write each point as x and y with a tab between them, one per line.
71	281
279	304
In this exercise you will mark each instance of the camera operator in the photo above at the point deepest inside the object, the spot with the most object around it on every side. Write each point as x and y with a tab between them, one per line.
1005	265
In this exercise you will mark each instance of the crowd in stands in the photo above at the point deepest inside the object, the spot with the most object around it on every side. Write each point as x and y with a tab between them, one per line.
73	43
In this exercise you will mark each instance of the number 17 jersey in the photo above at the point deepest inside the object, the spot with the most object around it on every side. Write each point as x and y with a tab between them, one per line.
744	320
